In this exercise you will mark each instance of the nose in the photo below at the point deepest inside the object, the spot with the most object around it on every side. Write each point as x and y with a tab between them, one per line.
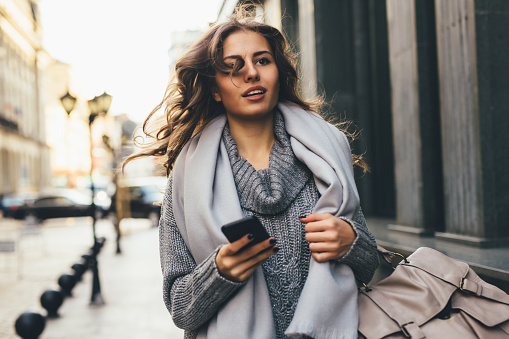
251	72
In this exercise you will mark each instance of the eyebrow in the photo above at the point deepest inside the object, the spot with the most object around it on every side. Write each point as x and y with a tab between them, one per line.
254	55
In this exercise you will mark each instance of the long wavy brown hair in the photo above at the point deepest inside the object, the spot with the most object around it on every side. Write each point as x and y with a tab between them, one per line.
188	102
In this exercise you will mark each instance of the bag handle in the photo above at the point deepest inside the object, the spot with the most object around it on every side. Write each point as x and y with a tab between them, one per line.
389	256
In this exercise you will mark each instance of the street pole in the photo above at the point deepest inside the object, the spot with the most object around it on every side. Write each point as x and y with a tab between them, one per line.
98	105
119	210
118	193
96	297
91	119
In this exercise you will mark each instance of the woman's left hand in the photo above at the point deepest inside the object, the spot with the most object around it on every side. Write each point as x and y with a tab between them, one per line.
329	237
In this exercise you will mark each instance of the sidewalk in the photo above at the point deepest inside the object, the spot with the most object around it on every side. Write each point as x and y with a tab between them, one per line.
130	284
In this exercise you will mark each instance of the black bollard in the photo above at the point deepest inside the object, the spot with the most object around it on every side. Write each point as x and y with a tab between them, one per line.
51	300
79	269
67	283
88	256
98	244
30	325
96	297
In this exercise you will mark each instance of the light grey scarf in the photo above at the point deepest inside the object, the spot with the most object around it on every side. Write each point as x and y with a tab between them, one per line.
205	197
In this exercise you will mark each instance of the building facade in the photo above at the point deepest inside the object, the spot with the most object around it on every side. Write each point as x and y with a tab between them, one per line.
425	84
24	152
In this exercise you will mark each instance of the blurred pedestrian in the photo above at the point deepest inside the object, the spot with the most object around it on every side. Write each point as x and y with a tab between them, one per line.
238	140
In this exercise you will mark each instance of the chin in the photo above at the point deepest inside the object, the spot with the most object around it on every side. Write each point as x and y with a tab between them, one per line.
253	114
259	115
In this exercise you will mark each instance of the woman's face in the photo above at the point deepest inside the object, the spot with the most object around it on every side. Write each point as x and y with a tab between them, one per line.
251	92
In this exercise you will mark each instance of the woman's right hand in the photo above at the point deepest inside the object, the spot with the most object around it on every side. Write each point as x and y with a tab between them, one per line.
237	264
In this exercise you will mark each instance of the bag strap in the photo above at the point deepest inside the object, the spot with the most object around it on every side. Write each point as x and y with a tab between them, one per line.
409	328
464	284
483	291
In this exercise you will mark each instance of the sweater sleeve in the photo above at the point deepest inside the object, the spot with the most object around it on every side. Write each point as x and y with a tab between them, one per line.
192	293
362	256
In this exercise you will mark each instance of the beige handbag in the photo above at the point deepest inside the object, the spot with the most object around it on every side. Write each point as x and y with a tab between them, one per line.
430	295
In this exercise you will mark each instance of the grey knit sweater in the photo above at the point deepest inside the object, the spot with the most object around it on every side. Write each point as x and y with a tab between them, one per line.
194	292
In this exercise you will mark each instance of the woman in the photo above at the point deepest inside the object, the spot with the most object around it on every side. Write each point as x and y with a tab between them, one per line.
238	140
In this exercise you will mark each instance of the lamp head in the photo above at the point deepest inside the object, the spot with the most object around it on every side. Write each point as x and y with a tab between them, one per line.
104	102
68	102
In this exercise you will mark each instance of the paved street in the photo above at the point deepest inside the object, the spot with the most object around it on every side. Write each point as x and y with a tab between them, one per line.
130	282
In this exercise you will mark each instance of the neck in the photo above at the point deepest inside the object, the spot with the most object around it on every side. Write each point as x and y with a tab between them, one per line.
254	140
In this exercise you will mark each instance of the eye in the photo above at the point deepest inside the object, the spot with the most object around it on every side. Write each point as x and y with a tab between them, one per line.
263	61
236	64
232	65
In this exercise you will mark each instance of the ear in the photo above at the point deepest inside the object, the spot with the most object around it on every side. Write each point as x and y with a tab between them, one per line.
215	94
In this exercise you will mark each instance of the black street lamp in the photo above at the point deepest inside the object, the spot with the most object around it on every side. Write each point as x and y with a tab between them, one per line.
104	102
99	105
68	102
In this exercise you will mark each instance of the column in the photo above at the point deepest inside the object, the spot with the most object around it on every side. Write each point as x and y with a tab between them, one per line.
352	72
307	55
416	122
472	56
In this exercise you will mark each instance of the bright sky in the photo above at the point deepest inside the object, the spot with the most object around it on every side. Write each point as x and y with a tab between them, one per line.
120	46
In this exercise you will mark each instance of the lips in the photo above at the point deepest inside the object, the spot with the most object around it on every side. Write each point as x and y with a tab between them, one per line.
254	91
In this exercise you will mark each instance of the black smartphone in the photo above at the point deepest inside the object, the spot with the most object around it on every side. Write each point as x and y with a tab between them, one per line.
249	225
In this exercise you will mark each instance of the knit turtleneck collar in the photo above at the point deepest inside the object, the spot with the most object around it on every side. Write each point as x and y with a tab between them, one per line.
271	190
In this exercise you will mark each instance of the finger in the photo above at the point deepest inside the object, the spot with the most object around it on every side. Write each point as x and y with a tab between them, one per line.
259	257
315	217
323	256
244	269
231	258
261	246
259	261
319	226
246	274
235	246
324	247
335	229
322	236
319	222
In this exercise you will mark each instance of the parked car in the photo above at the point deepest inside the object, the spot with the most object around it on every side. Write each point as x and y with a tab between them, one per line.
144	197
60	203
10	203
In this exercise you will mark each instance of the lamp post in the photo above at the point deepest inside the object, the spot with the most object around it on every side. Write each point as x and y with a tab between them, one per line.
99	105
118	196
68	102
93	107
